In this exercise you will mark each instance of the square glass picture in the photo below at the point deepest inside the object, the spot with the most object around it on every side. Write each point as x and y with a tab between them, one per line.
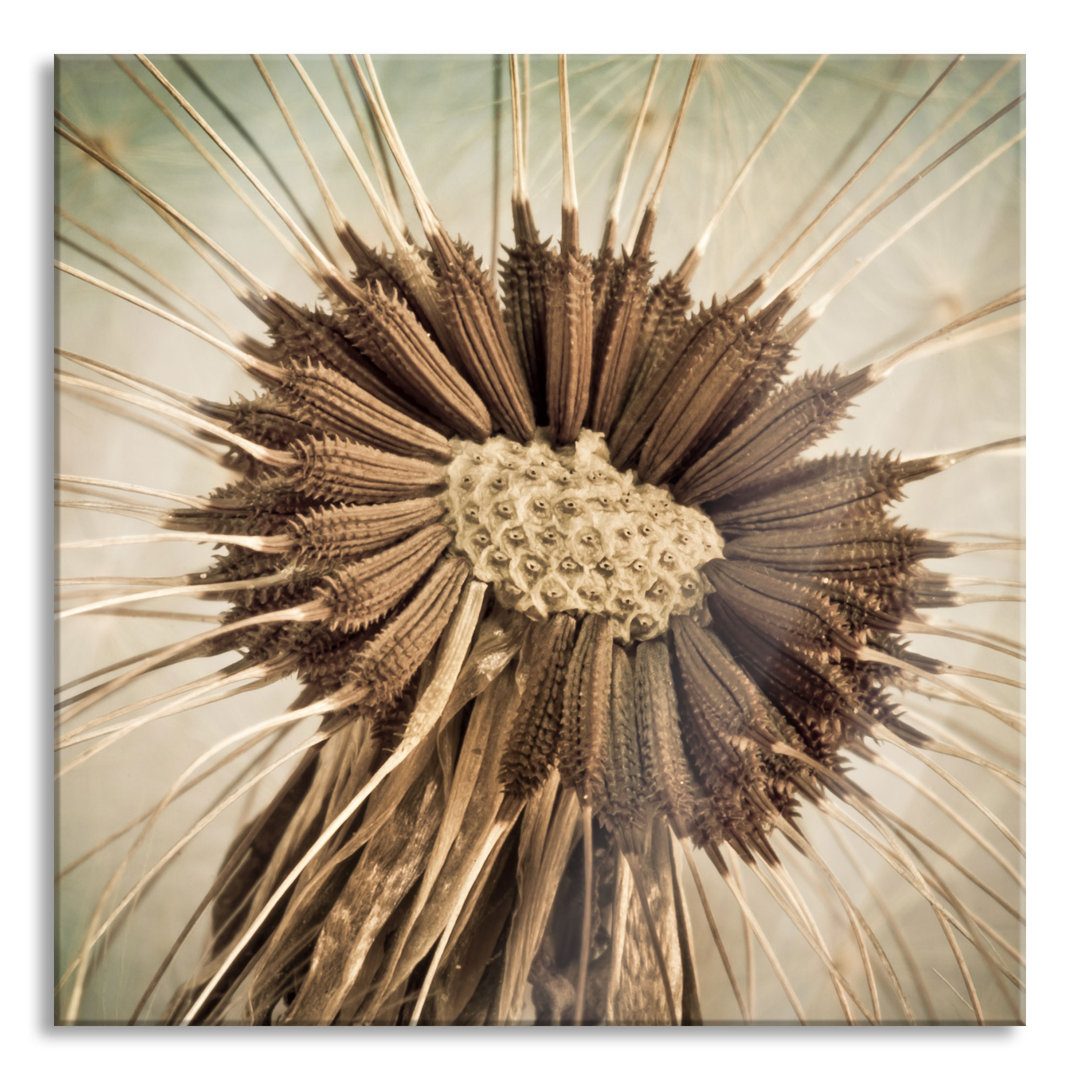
541	540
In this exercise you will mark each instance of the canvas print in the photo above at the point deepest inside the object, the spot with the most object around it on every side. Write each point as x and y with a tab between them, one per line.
540	540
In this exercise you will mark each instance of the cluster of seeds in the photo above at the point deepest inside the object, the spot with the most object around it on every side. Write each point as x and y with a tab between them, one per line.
688	673
559	529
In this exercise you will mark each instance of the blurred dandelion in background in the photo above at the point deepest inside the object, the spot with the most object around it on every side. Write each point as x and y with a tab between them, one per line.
484	717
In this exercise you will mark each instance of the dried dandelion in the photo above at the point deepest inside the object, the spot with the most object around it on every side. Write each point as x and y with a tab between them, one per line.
609	691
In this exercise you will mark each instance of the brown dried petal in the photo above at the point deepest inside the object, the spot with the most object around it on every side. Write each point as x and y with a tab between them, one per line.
390	865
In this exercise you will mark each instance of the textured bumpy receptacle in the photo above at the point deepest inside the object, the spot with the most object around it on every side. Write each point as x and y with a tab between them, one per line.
560	529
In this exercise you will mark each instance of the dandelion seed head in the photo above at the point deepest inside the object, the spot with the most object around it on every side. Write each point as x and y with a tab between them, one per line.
671	691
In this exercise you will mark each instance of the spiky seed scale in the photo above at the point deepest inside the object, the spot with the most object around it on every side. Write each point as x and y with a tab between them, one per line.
672	786
330	402
666	308
797	416
332	469
622	803
829	490
478	338
780	606
530	749
852	549
569	334
617	337
384	666
586	716
523	274
383	327
342	532
736	358
362	592
302	335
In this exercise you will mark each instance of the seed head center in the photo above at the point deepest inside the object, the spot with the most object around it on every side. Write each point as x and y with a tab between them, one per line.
560	529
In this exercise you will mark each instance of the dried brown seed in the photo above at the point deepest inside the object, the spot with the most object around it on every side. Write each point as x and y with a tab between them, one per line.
304	335
617	336
383	327
586	715
330	402
793	420
622	804
362	592
343	532
731	366
671	784
384	666
524	274
332	469
706	334
478	337
531	747
569	334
